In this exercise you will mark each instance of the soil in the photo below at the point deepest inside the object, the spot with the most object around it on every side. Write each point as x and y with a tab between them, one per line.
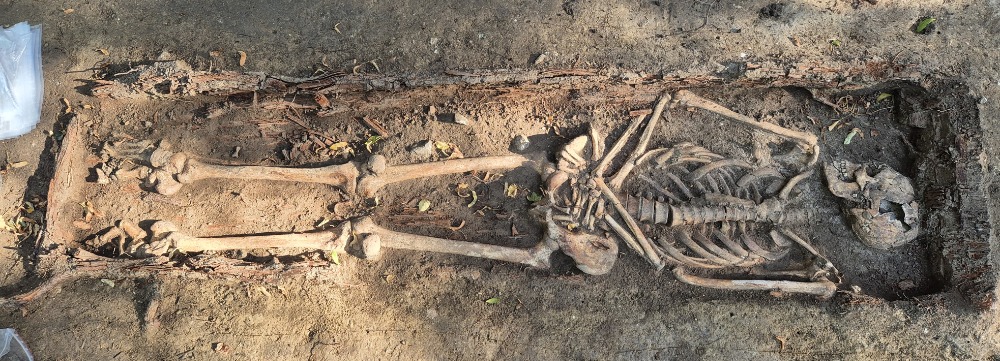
931	299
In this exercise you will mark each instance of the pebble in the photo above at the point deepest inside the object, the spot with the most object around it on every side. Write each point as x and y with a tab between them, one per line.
423	149
520	143
461	119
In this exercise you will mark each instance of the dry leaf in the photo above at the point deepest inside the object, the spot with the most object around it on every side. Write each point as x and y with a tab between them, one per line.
103	51
322	101
69	108
423	205
243	57
88	106
68	11
781	342
511	190
16	165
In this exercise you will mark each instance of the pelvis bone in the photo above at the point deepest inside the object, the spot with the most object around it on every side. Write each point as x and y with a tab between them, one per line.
881	202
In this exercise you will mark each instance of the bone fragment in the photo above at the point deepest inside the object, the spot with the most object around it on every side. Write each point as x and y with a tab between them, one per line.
822	288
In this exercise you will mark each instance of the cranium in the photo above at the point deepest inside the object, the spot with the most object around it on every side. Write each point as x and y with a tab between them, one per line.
883	211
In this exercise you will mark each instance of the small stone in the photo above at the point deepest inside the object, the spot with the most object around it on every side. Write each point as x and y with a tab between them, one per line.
102	177
236	151
520	144
423	149
907	285
376	164
540	59
432	110
461	119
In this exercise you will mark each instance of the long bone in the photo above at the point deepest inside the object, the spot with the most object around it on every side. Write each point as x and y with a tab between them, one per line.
166	238
823	288
172	170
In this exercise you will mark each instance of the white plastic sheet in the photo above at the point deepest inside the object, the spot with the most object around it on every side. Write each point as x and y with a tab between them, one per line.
20	79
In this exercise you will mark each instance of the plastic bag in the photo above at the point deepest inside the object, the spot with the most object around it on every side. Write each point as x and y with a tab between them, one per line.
20	79
12	347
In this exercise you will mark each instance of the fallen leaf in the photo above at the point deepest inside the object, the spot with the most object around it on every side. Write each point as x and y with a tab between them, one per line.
492	301
68	11
322	222
16	165
423	205
221	348
835	42
781	342
335	257
243	57
322	101
371	142
923	24
834	125
882	96
851	135
511	190
389	278
475	198
110	283
534	197
88	106
103	51
462	190
69	108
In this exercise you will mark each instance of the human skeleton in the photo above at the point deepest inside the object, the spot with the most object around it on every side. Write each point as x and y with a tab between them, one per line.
716	213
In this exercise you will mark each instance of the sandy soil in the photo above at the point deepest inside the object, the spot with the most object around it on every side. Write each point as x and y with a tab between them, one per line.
419	306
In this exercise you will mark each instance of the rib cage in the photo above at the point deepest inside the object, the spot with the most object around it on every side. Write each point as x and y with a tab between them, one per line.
717	209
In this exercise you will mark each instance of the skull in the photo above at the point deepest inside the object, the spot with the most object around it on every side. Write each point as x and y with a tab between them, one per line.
883	213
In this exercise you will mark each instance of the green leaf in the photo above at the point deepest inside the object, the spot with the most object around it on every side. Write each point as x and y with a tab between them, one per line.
475	198
534	197
335	257
923	24
371	142
850	136
883	96
835	42
492	301
423	205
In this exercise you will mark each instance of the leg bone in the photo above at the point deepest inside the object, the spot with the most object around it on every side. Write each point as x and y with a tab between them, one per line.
537	256
166	238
